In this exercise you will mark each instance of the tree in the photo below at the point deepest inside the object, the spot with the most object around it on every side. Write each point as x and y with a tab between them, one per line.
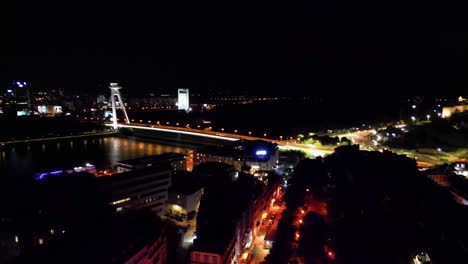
294	156
345	141
313	236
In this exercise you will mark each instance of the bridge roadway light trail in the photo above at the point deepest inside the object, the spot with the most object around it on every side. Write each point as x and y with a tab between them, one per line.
177	131
312	150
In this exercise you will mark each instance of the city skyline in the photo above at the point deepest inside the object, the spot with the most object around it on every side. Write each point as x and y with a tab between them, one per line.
325	132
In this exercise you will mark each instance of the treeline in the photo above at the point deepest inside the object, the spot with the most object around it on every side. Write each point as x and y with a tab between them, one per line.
326	140
383	208
29	127
380	207
439	133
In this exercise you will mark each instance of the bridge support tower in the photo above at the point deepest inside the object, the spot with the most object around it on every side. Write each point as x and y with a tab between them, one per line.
114	87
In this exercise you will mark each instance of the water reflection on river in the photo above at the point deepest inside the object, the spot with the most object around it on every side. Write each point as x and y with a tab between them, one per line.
26	159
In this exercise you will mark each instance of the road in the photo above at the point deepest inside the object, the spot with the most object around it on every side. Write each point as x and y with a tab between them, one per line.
359	137
258	251
424	157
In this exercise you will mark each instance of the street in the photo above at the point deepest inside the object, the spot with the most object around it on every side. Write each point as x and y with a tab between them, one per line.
268	226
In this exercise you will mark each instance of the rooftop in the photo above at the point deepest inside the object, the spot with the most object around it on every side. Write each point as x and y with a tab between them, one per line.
135	173
220	210
165	157
185	183
216	247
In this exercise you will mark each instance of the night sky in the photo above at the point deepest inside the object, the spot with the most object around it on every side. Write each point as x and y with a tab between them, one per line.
321	47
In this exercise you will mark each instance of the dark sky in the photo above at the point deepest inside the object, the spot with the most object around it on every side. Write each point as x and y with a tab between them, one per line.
319	47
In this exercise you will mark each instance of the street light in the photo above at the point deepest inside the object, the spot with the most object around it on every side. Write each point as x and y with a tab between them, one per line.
298	235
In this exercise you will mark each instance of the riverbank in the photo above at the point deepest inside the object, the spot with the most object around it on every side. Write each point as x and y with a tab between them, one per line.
84	135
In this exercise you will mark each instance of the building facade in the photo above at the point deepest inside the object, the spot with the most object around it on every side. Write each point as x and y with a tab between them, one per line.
155	253
183	205
16	100
448	111
245	231
138	189
183	99
205	255
242	154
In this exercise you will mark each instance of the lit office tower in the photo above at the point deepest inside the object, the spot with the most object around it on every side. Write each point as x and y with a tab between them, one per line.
17	99
183	102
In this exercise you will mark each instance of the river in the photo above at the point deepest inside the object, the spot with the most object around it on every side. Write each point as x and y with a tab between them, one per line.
25	160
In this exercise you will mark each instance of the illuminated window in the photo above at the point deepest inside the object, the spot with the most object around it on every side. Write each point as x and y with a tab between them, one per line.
16	239
119	209
121	201
52	232
41	241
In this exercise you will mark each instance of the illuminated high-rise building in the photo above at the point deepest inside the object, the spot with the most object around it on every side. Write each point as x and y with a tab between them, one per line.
183	99
16	99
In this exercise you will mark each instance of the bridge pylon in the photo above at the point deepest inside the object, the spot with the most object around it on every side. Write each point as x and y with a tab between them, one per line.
114	87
